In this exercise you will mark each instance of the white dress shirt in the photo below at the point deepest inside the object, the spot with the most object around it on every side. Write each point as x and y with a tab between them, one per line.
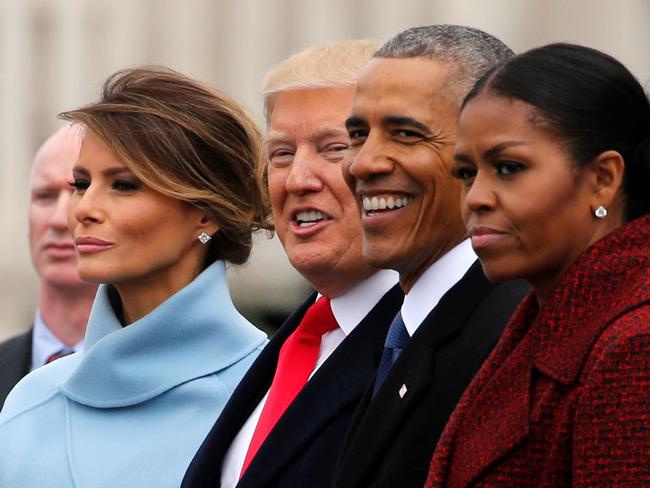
45	343
349	309
437	280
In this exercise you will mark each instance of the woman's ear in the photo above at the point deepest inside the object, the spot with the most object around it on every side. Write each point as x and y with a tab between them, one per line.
608	168
202	221
208	225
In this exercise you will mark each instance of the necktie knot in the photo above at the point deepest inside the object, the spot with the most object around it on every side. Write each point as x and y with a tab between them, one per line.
296	361
396	340
59	354
397	336
318	319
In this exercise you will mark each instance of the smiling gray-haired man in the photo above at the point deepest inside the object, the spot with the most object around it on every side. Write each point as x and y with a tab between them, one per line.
402	131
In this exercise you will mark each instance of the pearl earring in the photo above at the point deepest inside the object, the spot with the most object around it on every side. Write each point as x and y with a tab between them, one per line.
600	212
204	238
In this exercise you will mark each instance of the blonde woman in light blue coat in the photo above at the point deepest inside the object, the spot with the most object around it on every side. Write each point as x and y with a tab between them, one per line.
166	191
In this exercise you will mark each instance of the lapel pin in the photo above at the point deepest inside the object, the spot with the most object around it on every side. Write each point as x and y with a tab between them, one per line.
402	391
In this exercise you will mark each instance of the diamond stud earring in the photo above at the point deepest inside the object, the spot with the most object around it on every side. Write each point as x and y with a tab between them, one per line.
600	212
204	238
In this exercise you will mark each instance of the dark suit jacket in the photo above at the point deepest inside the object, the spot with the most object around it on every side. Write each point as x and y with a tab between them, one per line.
302	448
392	438
564	401
15	362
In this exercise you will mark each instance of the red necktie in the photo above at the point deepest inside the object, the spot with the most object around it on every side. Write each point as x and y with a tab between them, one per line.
296	361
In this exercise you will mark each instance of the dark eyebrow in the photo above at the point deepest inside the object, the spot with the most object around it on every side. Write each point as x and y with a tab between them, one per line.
490	153
107	172
493	151
355	121
116	171
406	122
462	158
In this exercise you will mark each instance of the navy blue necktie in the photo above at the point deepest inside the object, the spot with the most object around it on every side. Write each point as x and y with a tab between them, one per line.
396	339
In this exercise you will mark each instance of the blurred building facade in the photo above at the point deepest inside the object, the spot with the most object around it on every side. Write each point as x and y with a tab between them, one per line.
54	55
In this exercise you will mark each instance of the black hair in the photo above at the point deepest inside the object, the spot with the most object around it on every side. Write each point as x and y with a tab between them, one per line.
591	101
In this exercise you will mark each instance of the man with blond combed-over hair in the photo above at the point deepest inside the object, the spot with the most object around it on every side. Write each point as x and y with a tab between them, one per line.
307	99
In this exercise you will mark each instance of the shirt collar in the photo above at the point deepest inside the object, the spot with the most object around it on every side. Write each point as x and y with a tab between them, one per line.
351	308
437	280
45	343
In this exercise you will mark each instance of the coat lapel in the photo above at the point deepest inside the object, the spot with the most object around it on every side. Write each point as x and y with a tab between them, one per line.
474	431
498	419
557	343
494	415
206	465
341	380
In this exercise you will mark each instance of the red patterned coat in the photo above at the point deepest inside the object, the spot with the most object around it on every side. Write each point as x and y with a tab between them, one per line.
564	399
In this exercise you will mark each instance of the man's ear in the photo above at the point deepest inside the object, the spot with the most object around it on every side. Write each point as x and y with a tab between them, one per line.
607	177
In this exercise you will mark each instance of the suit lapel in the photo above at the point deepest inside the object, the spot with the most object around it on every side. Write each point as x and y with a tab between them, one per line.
384	414
15	359
206	465
341	380
413	374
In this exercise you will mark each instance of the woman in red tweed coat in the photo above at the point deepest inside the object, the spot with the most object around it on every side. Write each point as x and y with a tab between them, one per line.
553	149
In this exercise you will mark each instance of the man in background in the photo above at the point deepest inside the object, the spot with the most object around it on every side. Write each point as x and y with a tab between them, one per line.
64	301
278	429
402	132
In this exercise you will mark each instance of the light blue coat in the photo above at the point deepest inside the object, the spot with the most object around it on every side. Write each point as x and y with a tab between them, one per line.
133	409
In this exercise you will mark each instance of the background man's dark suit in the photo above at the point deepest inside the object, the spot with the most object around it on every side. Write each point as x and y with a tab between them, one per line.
15	362
391	440
302	449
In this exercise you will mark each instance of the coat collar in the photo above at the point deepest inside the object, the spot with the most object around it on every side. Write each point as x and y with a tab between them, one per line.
604	282
555	340
195	332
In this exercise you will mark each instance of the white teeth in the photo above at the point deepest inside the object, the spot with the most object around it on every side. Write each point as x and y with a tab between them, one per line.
307	218
371	204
